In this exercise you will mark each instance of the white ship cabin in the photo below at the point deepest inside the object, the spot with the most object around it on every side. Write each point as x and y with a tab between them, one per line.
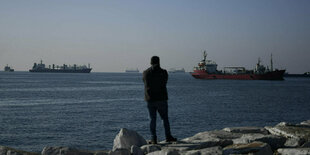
211	66
207	65
234	70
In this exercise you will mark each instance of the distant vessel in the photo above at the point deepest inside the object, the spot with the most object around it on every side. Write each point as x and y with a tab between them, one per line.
132	70
306	74
8	69
173	70
207	69
60	69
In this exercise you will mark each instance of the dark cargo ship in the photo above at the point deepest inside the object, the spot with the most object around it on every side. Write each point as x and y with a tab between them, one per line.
8	69
132	70
207	69
60	69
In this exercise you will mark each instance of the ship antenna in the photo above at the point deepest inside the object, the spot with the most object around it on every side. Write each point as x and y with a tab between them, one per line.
204	55
271	63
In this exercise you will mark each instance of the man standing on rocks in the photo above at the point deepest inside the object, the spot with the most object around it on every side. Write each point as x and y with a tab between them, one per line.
155	80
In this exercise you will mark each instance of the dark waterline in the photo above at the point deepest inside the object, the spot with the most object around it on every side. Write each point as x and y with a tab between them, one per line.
87	110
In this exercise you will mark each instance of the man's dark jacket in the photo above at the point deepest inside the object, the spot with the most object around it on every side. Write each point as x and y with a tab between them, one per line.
155	81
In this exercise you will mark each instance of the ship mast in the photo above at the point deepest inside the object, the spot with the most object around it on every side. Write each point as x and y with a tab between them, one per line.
204	56
271	63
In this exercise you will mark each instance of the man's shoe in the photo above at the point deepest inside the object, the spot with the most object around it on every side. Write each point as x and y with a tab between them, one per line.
153	141
171	139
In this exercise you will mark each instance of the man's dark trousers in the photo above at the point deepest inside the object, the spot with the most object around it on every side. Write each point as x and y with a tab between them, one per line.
162	108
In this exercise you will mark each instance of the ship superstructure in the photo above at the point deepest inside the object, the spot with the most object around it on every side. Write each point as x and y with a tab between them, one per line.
207	69
40	67
7	68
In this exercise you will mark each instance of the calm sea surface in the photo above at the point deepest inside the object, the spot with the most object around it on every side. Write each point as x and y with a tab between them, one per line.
87	110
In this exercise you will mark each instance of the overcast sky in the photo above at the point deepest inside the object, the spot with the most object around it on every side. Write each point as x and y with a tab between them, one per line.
113	35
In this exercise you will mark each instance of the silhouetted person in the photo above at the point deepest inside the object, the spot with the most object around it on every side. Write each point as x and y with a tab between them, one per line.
155	80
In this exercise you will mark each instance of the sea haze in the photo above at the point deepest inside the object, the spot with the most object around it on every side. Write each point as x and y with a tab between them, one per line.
86	111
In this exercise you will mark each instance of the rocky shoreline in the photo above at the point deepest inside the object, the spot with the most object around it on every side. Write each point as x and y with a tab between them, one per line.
282	139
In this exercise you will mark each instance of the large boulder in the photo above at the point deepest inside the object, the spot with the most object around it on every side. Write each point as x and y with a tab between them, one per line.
274	141
293	151
63	151
255	148
126	138
10	151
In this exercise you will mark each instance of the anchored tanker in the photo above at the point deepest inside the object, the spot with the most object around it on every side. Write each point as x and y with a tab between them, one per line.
207	69
60	69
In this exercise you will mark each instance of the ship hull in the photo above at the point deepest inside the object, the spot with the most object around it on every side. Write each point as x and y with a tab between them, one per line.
274	75
60	71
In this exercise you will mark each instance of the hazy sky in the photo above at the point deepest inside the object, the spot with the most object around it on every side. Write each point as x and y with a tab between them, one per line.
113	35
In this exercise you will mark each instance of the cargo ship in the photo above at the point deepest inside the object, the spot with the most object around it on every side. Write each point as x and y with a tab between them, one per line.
40	67
173	70
132	70
207	69
306	74
8	69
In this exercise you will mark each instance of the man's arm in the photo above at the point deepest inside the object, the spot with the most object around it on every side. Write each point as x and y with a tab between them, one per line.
144	77
166	76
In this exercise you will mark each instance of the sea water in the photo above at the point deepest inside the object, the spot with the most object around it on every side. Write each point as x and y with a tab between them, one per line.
86	111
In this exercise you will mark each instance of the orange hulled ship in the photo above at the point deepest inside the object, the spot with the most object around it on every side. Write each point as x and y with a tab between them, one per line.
207	69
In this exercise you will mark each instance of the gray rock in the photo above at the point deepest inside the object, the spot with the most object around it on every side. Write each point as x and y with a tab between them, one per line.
126	138
150	148
10	151
217	150
294	151
135	150
274	141
120	151
255	148
307	144
246	130
293	142
284	124
183	146
165	152
213	138
101	153
291	131
306	123
63	151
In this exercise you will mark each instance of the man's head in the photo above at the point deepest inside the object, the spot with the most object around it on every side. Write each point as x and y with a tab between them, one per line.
155	60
